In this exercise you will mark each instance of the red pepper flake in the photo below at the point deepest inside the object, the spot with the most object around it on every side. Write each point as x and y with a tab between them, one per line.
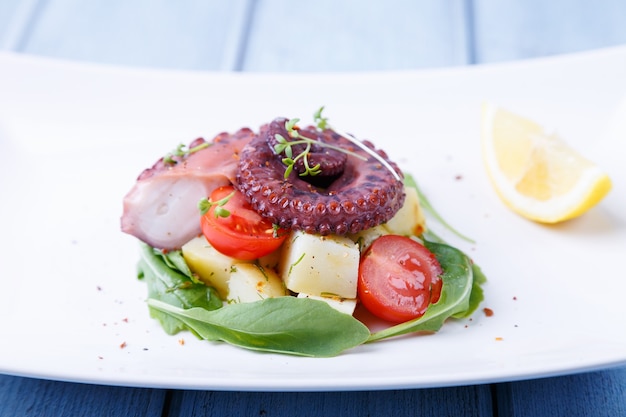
125	320
122	345
514	298
488	312
458	177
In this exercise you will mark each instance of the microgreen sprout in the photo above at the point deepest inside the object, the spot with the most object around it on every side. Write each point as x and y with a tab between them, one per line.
205	204
182	151
285	145
276	232
322	123
293	131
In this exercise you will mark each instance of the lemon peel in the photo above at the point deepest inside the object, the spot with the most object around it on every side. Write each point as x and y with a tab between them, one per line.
538	175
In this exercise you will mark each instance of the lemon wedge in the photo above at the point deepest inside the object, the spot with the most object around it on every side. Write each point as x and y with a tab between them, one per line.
535	174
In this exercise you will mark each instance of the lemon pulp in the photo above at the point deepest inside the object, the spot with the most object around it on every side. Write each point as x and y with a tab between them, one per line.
538	175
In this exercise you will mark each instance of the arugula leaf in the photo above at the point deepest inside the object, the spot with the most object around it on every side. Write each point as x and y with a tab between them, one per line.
296	326
477	296
291	325
171	281
455	300
175	260
409	181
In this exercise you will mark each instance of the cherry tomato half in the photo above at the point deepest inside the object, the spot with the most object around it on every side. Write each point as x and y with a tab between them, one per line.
398	278
243	234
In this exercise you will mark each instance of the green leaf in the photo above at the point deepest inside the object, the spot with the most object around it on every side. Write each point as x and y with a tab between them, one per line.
279	147
221	212
290	325
174	259
477	296
288	171
409	181
455	294
167	283
204	205
289	124
322	122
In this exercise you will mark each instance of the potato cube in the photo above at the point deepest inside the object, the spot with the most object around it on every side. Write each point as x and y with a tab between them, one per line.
343	305
211	266
250	282
271	260
365	237
320	265
409	220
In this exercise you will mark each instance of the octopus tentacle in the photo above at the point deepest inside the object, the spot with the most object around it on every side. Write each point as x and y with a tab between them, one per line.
331	161
362	195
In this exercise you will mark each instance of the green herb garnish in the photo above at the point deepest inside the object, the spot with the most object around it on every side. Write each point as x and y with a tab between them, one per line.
321	123
285	145
182	151
205	205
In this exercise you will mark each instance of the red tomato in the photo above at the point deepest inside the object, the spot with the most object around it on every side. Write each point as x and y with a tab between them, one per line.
243	234
398	278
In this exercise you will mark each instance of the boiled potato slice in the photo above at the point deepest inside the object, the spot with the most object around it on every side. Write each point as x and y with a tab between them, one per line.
270	261
250	282
409	220
343	305
365	237
320	265
212	267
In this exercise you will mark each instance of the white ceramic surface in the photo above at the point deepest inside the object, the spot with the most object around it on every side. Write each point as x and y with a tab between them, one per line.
73	137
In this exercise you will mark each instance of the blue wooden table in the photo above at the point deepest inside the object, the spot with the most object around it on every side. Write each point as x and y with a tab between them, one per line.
324	35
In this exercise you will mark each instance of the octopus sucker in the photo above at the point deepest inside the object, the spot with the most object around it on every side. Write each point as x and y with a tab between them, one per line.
353	192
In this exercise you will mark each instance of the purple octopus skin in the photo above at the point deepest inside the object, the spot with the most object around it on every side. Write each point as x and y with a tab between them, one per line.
331	162
365	194
161	208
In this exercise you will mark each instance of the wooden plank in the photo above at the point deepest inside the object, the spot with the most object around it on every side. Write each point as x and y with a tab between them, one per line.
591	394
466	401
189	34
325	35
520	29
35	397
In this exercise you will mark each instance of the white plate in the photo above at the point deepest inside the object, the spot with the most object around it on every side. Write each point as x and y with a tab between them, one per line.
73	137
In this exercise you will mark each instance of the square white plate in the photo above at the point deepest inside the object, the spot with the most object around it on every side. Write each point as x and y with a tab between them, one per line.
73	138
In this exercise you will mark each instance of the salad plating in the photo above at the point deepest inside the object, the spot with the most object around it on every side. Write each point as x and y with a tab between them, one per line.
276	241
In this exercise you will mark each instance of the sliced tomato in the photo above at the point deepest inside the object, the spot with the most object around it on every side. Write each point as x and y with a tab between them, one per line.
243	234
398	278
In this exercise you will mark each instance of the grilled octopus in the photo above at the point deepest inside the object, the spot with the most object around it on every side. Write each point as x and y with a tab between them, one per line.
355	191
352	192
